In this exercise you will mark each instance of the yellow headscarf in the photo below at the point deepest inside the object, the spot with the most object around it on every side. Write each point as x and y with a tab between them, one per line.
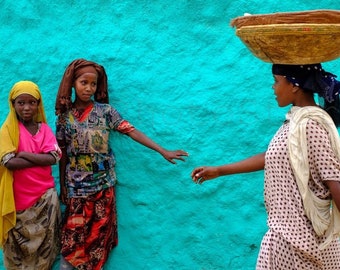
9	140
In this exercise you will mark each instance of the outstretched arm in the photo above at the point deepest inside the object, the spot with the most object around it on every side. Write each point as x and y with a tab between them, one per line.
140	137
252	164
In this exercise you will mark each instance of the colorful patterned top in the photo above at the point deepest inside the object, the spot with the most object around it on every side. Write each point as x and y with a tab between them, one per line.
91	161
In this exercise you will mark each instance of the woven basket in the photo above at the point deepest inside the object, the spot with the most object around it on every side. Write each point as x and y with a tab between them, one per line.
292	38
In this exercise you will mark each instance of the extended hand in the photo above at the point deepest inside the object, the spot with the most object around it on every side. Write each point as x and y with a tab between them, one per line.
201	174
177	154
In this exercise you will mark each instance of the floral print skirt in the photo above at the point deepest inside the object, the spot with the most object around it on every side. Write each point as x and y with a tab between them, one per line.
89	230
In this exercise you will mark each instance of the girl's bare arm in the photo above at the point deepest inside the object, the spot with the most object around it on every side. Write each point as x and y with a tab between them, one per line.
24	160
140	137
252	164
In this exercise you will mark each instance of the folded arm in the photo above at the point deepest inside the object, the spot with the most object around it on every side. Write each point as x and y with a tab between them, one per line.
24	160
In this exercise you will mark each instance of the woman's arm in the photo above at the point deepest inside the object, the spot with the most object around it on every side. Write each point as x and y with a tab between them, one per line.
252	164
62	171
334	187
42	159
141	138
24	160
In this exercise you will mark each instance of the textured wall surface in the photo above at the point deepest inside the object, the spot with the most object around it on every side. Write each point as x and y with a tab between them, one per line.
177	72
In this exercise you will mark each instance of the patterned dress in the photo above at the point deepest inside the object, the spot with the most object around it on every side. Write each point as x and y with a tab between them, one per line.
291	242
89	229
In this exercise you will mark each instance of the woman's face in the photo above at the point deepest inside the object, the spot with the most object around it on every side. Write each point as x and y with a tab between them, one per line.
85	86
283	90
26	107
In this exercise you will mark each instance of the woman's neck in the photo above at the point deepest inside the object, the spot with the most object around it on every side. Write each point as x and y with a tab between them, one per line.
81	111
81	105
306	99
31	126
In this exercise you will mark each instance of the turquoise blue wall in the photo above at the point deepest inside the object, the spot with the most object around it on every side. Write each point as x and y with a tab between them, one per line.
177	72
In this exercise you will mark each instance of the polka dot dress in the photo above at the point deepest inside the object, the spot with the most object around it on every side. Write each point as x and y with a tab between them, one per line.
291	242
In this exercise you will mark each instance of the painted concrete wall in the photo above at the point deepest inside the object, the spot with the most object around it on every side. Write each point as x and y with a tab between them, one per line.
177	72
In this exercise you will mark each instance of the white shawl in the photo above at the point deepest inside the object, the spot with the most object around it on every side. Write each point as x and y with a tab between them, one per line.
324	215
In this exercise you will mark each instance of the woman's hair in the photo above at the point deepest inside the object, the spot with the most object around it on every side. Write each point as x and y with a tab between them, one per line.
313	78
72	72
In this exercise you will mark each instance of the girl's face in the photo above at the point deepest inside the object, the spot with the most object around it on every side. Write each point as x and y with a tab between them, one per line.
85	86
26	107
283	90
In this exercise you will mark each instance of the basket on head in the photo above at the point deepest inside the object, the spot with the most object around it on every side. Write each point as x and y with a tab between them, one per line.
306	37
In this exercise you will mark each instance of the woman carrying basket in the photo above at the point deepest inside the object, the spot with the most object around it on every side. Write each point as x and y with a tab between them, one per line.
302	173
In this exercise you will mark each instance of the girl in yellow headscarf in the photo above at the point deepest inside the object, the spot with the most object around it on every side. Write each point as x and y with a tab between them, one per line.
29	206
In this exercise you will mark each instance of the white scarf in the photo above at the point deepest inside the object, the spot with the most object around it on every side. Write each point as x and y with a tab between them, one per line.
324	215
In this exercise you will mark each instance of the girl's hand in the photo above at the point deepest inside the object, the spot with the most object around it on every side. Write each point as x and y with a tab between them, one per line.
21	154
63	196
177	154
202	174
